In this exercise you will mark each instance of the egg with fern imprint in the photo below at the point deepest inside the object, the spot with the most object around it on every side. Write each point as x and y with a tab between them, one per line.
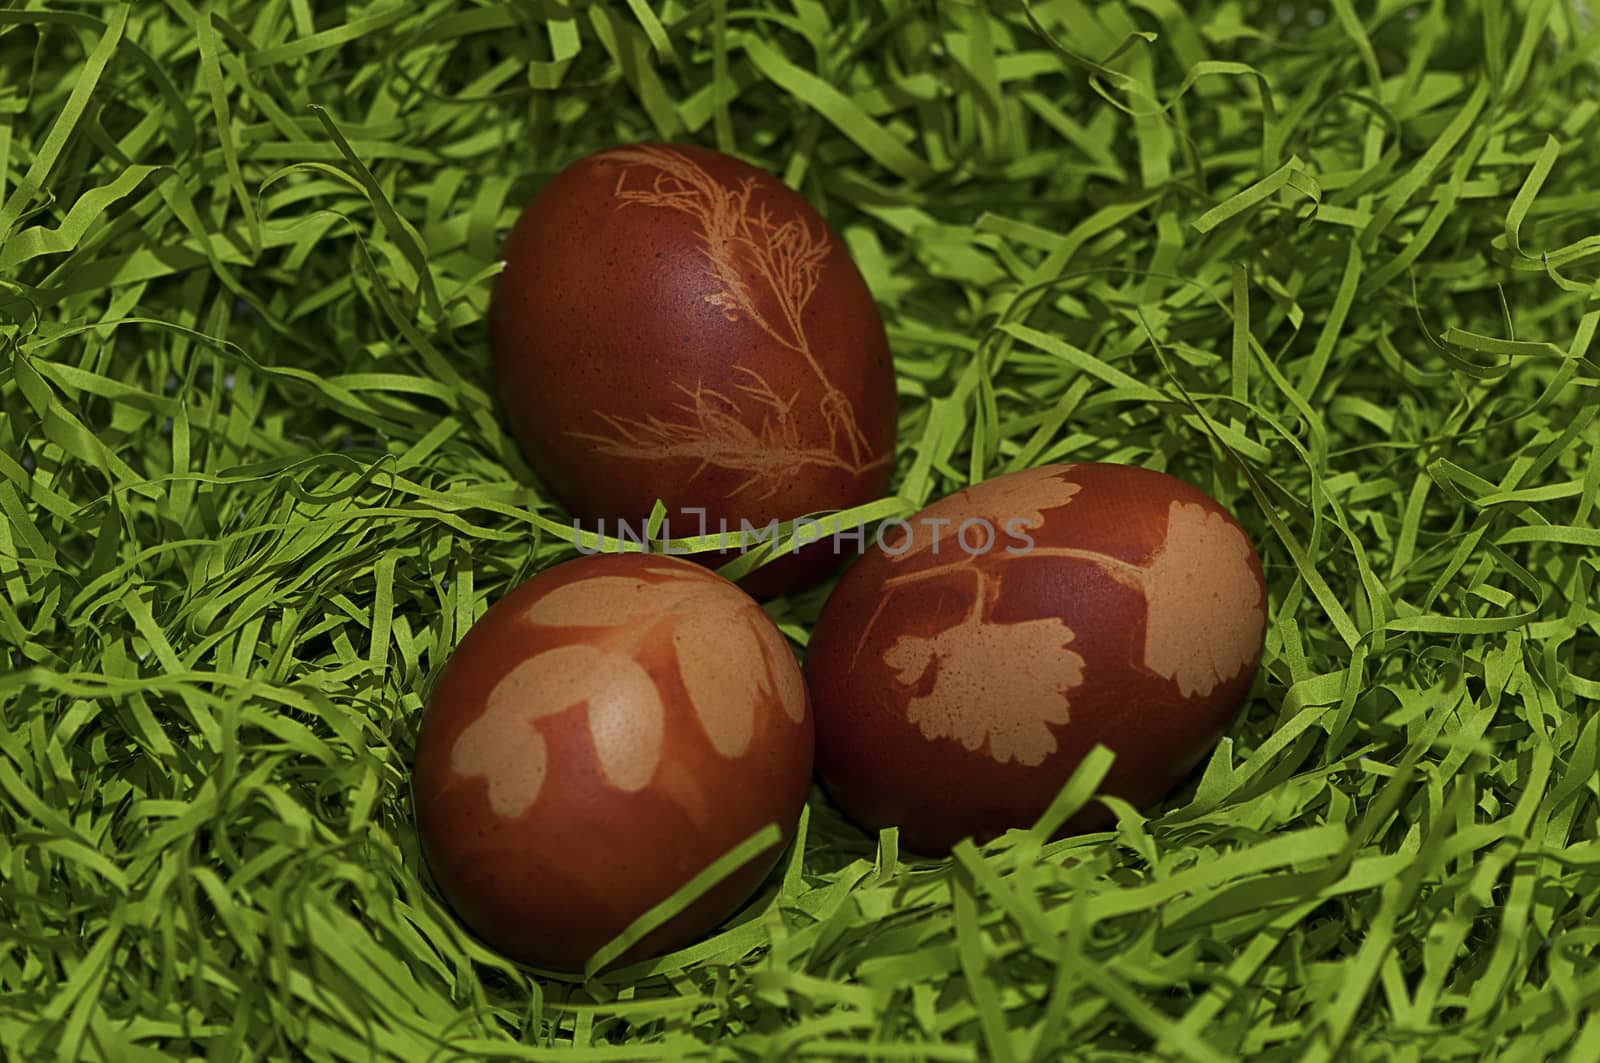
674	323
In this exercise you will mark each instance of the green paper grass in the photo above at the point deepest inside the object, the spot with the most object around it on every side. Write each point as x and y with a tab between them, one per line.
1336	264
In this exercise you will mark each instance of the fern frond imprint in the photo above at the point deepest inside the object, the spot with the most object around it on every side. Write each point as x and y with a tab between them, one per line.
743	243
710	434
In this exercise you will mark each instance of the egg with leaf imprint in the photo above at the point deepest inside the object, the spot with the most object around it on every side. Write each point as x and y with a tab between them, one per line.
674	323
967	663
605	732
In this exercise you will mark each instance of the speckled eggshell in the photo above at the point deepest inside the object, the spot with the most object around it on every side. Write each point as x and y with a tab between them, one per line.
602	734
674	323
956	689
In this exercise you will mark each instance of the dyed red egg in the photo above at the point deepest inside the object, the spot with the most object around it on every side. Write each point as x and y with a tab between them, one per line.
673	323
965	665
601	735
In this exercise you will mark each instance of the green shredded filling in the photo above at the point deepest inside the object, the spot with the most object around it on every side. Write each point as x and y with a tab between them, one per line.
1334	262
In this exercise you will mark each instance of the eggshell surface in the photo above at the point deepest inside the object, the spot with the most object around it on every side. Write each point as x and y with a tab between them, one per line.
672	322
957	686
606	731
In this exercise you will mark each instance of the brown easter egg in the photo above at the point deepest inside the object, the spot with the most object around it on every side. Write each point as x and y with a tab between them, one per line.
967	663
673	323
606	731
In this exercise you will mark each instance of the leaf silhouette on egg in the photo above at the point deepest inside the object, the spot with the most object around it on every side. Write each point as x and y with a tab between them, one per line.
625	723
1000	683
723	688
609	601
626	717
766	269
1204	622
1016	501
1005	684
787	684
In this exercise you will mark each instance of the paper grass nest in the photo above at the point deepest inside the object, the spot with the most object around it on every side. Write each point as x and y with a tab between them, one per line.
1334	263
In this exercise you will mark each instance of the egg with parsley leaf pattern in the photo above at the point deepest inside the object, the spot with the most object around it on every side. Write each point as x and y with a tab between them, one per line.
964	667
